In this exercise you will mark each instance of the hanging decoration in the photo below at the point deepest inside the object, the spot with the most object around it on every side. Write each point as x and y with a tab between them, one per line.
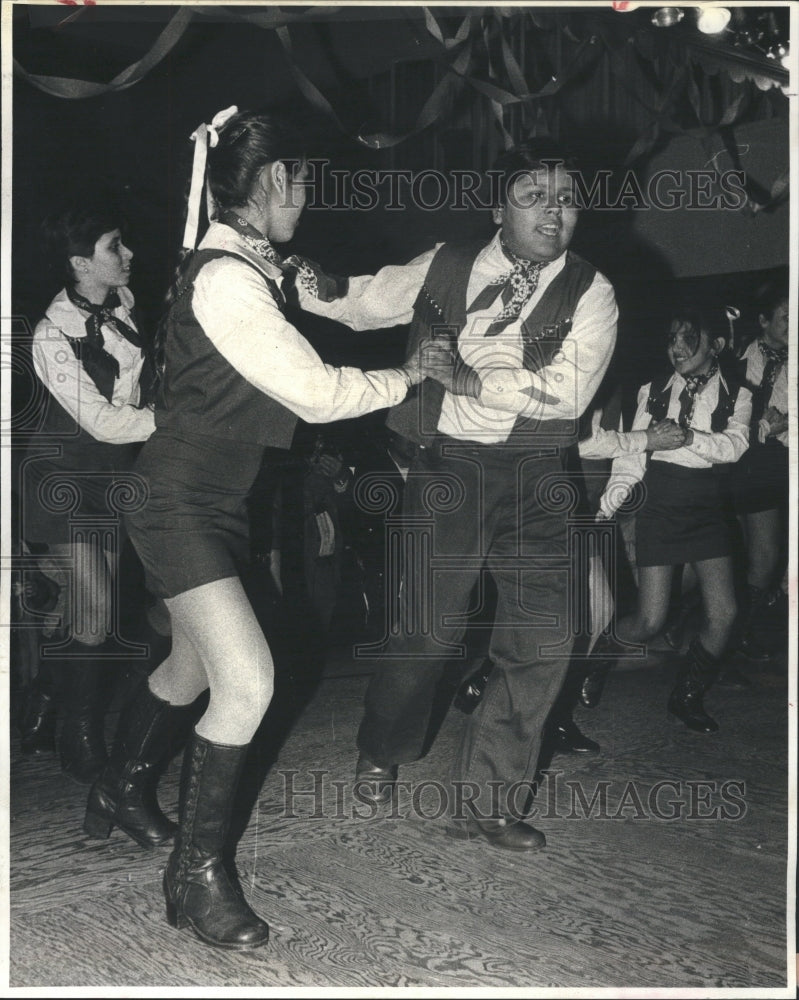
478	49
78	89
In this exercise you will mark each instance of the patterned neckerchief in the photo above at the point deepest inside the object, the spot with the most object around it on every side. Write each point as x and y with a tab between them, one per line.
516	287
694	384
289	266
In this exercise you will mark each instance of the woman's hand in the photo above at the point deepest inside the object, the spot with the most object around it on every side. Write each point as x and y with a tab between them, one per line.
437	361
432	359
777	421
665	435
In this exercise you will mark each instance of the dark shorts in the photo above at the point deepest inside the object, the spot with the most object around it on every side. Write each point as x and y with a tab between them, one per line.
194	527
685	517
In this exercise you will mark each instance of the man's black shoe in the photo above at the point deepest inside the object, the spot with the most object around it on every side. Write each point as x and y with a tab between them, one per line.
471	690
374	783
509	835
594	685
569	739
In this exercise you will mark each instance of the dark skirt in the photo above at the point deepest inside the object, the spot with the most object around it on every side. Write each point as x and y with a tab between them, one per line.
194	527
760	478
75	498
685	516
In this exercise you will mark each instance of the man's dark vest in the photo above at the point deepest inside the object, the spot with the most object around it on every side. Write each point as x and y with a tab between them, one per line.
440	310
201	392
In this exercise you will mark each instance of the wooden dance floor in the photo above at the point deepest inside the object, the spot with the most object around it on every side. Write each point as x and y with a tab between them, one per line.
623	895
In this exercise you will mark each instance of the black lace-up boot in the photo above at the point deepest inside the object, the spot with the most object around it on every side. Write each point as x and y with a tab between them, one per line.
200	891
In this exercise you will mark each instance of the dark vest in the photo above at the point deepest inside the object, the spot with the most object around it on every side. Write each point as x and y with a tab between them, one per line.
102	371
440	309
658	404
761	394
201	393
660	395
79	450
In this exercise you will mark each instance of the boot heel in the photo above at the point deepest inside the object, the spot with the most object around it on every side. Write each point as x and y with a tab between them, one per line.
97	826
174	918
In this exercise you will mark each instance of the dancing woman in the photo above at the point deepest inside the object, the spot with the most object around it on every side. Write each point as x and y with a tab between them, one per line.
683	519
760	479
91	358
237	375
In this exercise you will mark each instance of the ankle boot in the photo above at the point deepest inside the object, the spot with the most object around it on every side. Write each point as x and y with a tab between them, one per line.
697	672
603	656
83	753
745	640
37	728
568	738
150	732
200	892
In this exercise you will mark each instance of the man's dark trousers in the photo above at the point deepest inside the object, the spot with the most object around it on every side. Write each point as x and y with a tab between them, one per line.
505	514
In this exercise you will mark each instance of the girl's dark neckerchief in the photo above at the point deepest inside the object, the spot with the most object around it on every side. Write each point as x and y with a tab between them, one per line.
104	314
102	367
694	384
775	358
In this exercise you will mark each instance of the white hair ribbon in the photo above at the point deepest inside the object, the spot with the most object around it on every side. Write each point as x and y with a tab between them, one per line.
732	314
203	136
220	118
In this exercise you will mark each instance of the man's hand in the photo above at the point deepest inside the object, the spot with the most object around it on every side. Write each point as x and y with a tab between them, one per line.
665	435
327	464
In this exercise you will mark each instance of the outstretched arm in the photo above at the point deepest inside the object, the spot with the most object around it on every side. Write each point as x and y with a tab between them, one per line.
372	302
238	314
627	469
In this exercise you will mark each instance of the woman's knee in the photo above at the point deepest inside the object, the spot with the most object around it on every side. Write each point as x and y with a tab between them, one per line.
722	618
250	697
649	623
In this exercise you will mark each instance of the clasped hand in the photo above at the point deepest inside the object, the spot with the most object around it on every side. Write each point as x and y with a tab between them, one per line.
434	359
774	422
666	435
